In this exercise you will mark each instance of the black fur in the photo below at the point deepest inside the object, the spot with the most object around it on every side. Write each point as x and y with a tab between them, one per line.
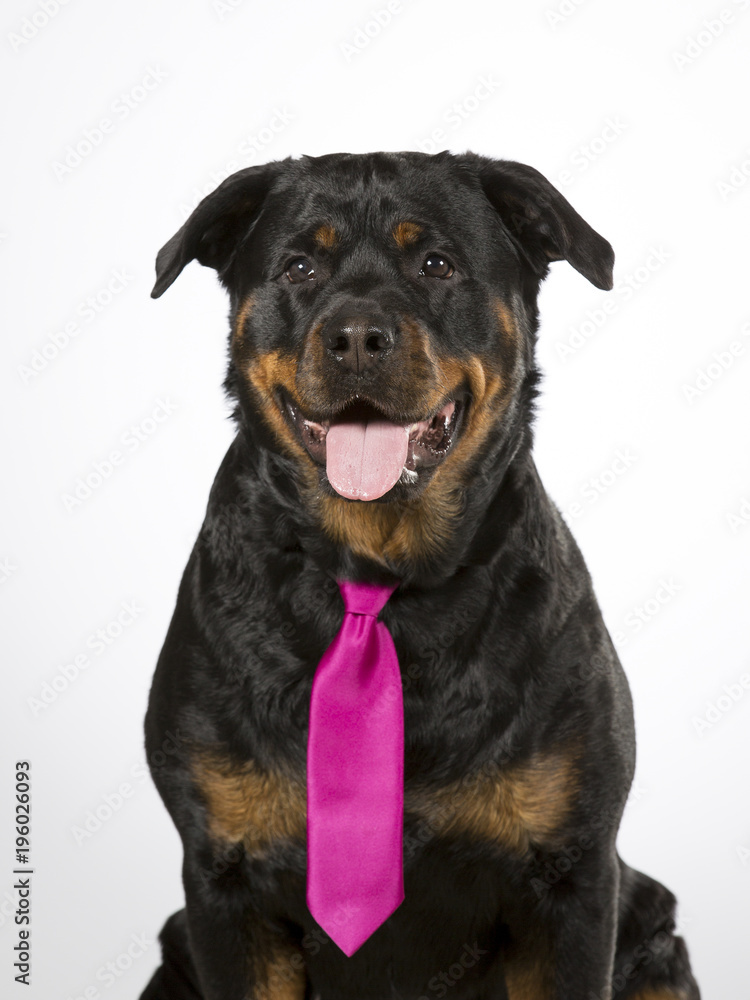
503	650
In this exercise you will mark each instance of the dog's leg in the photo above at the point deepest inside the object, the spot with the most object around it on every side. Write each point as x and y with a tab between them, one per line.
222	813
585	935
608	934
237	955
563	948
176	978
651	962
278	975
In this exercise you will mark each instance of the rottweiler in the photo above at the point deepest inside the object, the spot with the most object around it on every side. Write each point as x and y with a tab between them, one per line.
398	289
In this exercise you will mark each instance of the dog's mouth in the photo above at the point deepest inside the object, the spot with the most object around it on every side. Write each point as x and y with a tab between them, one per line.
365	453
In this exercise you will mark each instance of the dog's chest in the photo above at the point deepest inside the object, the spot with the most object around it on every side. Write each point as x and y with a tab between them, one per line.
514	807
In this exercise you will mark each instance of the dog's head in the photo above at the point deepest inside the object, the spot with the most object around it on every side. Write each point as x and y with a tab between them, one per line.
383	312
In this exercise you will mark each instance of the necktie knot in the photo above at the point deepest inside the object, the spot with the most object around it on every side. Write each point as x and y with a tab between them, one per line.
365	598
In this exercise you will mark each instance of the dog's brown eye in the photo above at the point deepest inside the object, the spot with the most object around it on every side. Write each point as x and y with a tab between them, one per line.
300	269
436	266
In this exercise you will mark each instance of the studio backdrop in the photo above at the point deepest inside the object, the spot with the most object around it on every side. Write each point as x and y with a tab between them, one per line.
117	119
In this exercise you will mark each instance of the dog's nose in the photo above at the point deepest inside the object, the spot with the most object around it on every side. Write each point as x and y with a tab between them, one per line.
358	342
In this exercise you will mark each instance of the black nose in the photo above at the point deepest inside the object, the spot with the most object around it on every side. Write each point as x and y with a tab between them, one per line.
358	342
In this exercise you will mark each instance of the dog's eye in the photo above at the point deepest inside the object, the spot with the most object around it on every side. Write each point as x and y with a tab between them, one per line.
300	269
436	266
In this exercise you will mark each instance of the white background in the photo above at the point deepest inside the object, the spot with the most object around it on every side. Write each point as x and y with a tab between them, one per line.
243	83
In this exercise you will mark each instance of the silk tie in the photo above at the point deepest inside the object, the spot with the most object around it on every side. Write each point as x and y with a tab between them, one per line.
355	775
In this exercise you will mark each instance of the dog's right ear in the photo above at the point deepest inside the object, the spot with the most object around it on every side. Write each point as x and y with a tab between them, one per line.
212	232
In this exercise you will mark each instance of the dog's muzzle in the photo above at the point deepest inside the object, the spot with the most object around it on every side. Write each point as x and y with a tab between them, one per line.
365	454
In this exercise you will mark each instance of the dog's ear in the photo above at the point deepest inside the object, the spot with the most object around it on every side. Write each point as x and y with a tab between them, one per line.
542	223
212	232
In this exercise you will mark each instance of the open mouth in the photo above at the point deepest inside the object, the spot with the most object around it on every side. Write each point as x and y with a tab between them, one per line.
365	453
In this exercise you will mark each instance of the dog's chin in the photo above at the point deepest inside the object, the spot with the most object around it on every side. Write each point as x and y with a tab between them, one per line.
366	454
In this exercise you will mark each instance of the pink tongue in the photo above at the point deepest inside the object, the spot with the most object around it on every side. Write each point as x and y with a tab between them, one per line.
364	459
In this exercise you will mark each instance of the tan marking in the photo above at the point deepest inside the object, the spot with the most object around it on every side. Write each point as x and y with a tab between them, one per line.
506	321
394	532
516	807
242	314
406	233
266	372
326	236
248	806
283	976
528	979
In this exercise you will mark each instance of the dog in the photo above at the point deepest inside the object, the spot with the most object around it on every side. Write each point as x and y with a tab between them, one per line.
399	288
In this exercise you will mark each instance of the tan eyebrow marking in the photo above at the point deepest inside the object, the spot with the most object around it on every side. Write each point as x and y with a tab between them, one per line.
406	233
326	236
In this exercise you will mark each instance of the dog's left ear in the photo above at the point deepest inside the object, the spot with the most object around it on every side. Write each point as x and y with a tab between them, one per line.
542	223
212	232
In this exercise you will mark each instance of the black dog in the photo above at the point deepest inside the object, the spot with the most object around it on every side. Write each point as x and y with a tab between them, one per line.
401	287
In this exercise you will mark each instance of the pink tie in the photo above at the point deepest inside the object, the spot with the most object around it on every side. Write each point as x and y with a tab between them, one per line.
355	775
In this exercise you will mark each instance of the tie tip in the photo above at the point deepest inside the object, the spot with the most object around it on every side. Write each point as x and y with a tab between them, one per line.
350	932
